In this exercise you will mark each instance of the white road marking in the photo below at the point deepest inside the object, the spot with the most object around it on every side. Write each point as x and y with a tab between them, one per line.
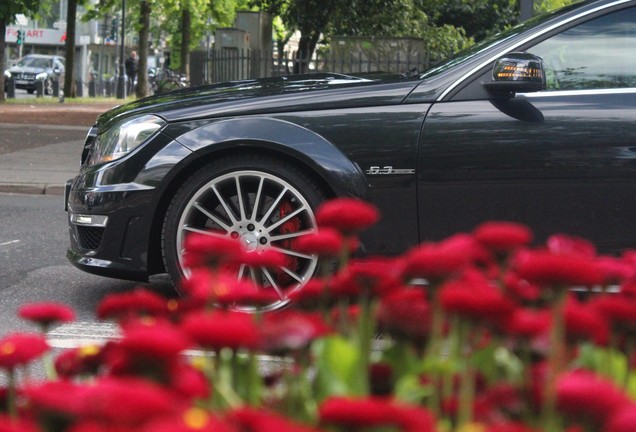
9	242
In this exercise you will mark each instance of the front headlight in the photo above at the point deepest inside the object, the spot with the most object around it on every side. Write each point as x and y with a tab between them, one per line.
41	76
123	137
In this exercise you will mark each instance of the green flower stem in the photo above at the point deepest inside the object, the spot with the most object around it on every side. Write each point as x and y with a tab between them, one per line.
467	383
555	360
454	356
366	331
49	366
223	395
433	351
12	395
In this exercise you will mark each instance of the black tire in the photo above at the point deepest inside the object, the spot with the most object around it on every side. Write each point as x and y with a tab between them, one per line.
272	191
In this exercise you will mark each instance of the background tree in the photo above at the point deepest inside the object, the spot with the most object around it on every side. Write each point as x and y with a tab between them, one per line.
138	17
69	46
186	22
8	12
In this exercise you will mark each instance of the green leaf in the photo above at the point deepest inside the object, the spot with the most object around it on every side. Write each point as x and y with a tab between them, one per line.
337	363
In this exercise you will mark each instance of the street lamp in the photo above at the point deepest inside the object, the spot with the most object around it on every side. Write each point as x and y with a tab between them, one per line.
121	80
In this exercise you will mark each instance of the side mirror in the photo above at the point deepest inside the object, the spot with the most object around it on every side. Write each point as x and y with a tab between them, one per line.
516	72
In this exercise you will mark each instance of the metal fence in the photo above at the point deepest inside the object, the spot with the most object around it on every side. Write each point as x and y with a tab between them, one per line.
235	64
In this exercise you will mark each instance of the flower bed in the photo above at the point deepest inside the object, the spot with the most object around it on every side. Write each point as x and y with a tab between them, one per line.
494	339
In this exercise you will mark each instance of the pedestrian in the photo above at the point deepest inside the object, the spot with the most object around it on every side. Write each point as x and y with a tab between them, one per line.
131	71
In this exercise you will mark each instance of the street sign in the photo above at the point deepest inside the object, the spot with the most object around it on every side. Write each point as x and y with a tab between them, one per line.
21	20
60	25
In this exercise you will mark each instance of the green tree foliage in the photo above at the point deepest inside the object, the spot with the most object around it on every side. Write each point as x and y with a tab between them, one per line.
186	22
8	12
138	18
324	18
541	6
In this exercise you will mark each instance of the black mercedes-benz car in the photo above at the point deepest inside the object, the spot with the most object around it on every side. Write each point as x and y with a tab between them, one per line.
37	67
537	125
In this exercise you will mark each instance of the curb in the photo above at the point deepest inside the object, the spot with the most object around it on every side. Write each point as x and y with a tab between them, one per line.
32	189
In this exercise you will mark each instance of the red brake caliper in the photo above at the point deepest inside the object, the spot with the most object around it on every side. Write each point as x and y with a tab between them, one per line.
291	226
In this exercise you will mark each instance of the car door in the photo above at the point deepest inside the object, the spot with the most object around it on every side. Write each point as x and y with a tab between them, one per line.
559	160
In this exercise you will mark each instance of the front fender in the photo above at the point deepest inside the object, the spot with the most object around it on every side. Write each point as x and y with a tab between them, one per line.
310	149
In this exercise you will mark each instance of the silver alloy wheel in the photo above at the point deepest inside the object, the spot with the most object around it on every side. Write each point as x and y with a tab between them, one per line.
262	211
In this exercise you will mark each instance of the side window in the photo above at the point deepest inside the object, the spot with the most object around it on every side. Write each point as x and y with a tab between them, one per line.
598	54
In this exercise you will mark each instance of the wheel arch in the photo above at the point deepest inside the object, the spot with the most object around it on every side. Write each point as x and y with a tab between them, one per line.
319	159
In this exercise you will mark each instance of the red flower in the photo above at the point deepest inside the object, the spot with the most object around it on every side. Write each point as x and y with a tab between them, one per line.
61	398
192	420
128	401
9	424
615	270
258	420
371	277
327	242
347	215
211	250
188	381
206	287
583	322
434	261
222	329
622	420
153	340
503	236
619	310
269	258
565	244
79	361
310	297
475	300
46	314
381	381
521	289
557	270
584	396
21	348
527	323
375	412
288	330
136	303
405	314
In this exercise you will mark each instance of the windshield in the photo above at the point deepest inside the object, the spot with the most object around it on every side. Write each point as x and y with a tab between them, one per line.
469	53
35	62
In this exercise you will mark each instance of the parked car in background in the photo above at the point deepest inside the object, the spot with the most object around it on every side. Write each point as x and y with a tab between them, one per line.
37	67
536	125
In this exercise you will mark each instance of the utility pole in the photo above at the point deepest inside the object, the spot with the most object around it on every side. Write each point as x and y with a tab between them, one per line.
526	9
121	80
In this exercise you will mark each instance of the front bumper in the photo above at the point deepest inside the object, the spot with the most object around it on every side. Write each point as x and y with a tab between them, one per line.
110	229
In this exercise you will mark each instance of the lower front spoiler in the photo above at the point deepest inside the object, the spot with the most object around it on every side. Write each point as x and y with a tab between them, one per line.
101	267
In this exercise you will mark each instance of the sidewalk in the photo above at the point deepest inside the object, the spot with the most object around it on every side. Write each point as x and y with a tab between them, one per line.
41	145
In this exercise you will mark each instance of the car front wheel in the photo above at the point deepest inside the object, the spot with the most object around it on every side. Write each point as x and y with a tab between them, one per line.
260	201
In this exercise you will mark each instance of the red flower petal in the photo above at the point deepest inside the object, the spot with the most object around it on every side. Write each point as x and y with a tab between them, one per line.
137	303
46	314
21	348
557	270
503	236
222	329
583	396
347	215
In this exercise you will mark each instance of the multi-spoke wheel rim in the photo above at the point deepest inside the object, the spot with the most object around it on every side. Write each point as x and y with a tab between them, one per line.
262	211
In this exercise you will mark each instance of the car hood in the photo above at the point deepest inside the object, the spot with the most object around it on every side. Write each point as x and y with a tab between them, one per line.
21	69
269	95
